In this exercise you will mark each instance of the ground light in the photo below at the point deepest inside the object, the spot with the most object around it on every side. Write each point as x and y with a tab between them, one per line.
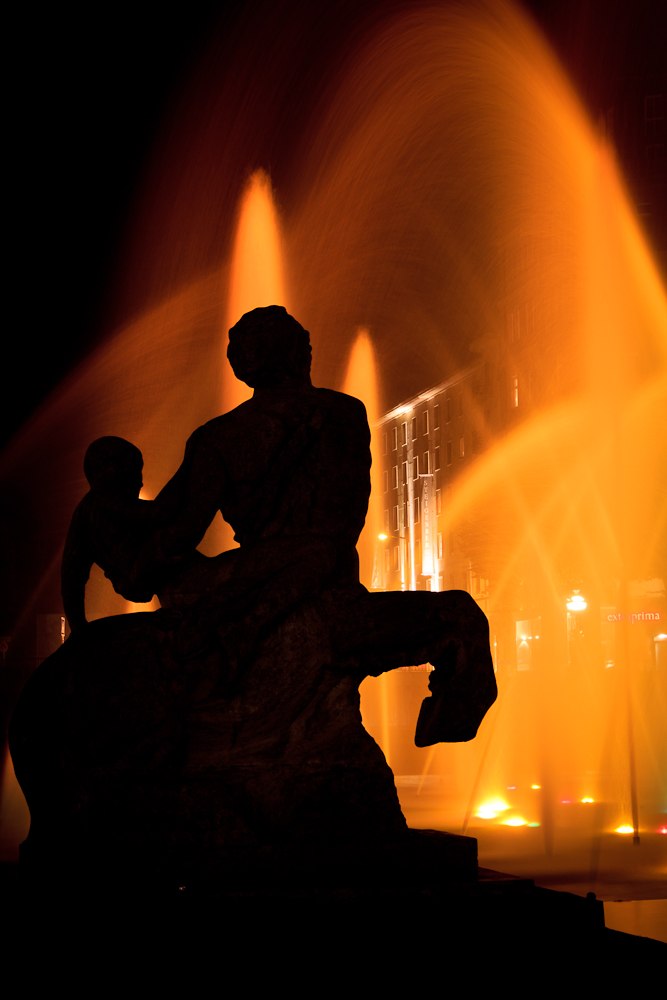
490	809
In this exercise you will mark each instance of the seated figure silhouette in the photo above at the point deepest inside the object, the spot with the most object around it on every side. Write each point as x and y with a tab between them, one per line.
226	725
290	471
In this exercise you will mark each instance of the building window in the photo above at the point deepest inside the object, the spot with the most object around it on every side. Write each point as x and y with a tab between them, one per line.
405	473
426	463
394	438
397	558
438	501
655	155
394	477
653	117
395	518
448	408
425	421
415	467
385	479
439	545
449	453
460	402
436	462
404	434
418	551
384	443
515	391
413	428
462	447
386	522
436	417
386	560
417	509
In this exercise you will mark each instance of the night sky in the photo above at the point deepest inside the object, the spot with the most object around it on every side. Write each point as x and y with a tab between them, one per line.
91	98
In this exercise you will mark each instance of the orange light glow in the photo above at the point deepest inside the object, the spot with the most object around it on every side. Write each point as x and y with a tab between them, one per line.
257	272
361	381
490	809
514	821
624	829
256	279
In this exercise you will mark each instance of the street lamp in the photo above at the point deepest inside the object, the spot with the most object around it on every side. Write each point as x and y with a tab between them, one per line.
576	602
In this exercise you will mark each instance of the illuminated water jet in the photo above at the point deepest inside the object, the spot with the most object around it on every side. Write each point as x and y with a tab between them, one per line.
256	275
256	278
361	381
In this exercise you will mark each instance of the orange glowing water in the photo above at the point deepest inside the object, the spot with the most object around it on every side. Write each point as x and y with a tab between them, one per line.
457	151
361	381
256	277
451	181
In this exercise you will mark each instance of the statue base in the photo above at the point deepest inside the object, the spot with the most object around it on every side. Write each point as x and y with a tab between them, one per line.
421	859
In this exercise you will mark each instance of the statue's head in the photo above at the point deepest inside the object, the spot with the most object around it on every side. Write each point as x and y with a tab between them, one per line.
267	347
115	464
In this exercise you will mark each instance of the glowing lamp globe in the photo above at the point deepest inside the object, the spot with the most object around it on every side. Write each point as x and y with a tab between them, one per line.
576	602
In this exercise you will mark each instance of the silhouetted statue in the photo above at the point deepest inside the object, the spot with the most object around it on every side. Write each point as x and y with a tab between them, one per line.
222	734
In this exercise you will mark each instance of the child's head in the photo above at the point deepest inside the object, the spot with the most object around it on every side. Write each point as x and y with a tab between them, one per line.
115	464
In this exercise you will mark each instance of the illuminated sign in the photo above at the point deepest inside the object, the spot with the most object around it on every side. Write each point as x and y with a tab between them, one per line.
427	534
639	616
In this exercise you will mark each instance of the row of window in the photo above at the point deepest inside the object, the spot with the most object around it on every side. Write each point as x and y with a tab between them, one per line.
401	512
393	561
401	433
400	515
420	466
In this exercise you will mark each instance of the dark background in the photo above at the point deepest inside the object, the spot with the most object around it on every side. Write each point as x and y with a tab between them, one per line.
91	92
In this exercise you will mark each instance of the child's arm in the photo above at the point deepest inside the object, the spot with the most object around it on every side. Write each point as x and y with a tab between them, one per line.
75	570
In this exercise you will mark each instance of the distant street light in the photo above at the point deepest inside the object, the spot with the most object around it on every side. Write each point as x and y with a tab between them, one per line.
576	602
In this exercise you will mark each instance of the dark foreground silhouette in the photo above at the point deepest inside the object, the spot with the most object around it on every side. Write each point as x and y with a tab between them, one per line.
220	737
